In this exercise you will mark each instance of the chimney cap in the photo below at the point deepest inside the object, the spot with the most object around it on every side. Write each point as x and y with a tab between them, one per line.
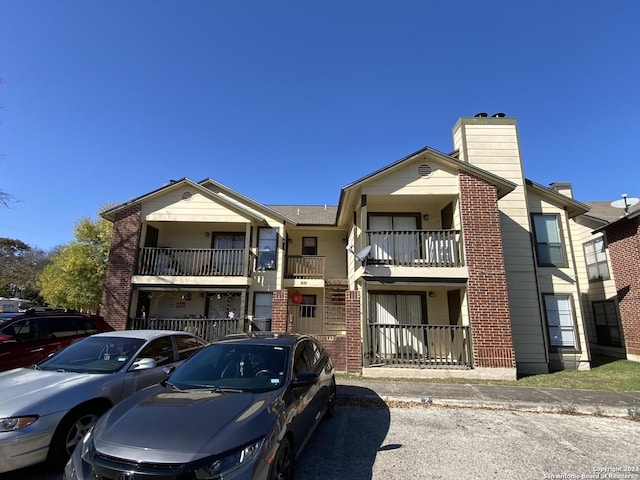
481	115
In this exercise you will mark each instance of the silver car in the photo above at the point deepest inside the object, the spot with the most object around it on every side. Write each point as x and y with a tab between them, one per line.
46	409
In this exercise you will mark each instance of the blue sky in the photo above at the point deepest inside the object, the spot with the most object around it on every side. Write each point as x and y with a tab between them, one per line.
288	101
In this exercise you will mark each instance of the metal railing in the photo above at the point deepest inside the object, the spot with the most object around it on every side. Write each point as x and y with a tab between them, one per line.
430	346
304	266
192	261
416	248
209	329
318	319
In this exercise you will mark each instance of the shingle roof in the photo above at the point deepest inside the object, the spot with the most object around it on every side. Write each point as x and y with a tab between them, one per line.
604	211
308	214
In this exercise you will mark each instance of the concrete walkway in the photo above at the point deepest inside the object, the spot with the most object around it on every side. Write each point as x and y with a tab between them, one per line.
586	402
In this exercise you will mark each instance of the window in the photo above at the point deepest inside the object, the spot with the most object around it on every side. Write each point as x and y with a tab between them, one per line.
596	258
394	237
605	316
309	245
308	306
263	305
187	346
306	357
267	245
160	349
560	320
548	241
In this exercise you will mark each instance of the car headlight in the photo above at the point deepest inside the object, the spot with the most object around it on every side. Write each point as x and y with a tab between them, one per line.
86	444
223	465
16	423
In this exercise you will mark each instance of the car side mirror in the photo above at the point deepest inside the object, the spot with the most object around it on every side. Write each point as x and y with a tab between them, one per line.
144	364
305	379
168	370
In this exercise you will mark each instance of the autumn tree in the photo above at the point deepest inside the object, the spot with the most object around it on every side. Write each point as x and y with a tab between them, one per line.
20	266
76	274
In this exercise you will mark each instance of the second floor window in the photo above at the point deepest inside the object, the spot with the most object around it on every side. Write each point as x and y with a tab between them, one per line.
596	258
309	245
549	245
267	245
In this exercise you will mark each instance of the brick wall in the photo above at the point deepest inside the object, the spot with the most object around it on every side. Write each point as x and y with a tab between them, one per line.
346	351
353	316
279	315
487	286
116	298
623	238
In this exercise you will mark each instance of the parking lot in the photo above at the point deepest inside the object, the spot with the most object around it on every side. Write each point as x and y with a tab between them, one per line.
444	443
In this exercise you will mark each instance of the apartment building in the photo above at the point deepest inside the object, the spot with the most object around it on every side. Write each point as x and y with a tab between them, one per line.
435	265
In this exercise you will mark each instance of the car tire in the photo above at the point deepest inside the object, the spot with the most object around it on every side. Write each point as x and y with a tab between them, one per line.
331	402
69	433
282	467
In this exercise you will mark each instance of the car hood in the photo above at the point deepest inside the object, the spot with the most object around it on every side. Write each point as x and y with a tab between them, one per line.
167	426
29	391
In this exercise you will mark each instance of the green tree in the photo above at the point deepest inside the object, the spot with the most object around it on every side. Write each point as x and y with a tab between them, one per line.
75	276
20	266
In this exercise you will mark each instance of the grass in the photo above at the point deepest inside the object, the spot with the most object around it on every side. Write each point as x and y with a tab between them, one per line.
611	374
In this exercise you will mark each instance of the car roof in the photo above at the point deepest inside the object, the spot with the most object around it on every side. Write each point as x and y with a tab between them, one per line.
263	338
142	334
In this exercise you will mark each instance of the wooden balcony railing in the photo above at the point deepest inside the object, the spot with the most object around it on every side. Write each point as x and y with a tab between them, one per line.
318	319
209	329
304	266
192	261
389	344
415	248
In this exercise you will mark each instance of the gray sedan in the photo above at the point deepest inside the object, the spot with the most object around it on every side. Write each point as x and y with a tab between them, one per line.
45	410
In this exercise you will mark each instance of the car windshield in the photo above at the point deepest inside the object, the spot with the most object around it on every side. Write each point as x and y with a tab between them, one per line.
94	355
233	366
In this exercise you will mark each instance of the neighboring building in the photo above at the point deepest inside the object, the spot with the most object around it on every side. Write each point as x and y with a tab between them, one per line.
453	263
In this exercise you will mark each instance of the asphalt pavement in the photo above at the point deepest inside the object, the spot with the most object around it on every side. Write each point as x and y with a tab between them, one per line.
533	399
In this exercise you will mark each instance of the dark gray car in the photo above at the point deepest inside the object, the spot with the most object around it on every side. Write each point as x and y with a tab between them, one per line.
243	407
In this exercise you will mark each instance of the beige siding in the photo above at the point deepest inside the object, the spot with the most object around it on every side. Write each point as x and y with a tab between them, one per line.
495	148
564	281
407	181
331	245
591	291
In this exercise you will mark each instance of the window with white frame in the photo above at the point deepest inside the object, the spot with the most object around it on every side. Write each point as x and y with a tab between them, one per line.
596	259
605	316
560	320
267	247
549	246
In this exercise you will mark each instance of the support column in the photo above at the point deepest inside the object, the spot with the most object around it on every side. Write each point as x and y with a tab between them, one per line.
279	318
353	324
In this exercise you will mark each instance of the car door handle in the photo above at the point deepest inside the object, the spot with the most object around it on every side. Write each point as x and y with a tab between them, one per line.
37	350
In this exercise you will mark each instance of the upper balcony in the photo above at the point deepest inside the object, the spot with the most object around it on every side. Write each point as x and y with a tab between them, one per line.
415	248
196	262
415	253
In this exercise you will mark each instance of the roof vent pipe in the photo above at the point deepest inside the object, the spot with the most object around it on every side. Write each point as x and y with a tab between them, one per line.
481	115
498	115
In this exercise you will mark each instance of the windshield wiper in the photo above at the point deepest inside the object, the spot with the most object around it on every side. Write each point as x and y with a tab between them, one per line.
173	387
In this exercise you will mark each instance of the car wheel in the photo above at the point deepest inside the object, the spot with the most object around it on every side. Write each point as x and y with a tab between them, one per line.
68	434
331	402
282	468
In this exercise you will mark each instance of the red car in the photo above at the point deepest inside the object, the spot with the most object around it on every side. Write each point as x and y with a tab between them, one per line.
30	337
